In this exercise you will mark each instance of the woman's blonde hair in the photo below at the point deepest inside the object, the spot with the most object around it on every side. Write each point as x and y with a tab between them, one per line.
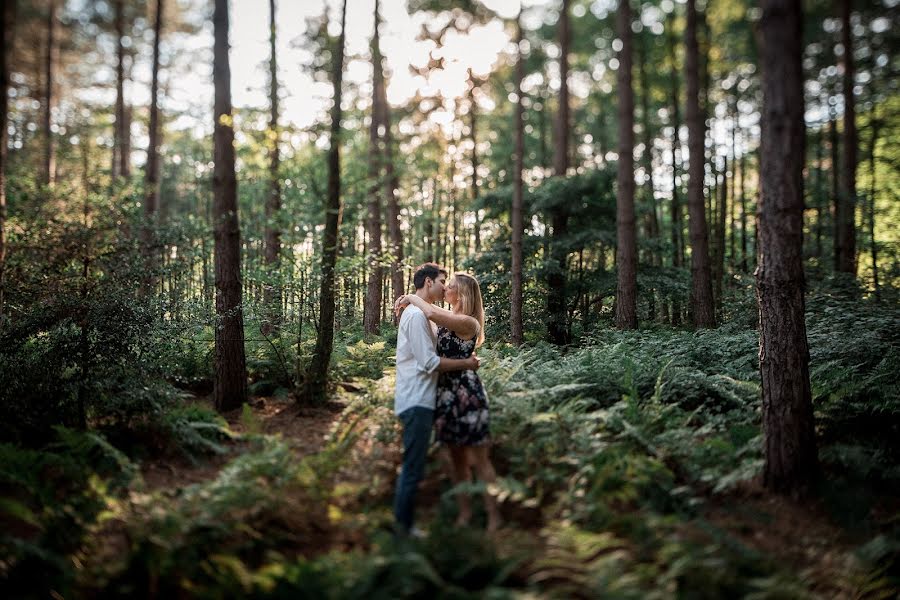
468	295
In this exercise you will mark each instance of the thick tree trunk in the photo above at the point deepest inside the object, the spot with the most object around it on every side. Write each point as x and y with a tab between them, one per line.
557	318
626	246
230	389
515	309
151	205
847	203
372	308
48	173
316	383
701	286
6	45
272	297
791	462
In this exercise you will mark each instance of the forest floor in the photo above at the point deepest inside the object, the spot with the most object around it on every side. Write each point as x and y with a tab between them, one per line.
801	536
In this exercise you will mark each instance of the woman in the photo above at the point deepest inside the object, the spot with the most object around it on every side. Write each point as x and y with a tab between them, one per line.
461	415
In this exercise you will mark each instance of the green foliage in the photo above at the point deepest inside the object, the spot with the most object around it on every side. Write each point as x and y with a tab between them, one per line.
50	500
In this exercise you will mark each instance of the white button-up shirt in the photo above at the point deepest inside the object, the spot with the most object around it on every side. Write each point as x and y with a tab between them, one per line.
417	361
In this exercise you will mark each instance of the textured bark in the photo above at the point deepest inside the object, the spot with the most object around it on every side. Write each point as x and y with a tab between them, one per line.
791	462
557	317
515	309
701	285
49	167
273	200
372	306
316	382
675	212
835	186
626	246
151	205
6	45
846	260
230	386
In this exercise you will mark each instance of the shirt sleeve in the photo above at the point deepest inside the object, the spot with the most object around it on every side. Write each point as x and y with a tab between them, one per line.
421	343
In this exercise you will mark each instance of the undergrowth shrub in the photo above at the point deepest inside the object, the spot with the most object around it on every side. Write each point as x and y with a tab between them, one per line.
50	499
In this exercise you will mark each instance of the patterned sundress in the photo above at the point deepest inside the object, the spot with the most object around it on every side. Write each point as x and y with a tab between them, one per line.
461	417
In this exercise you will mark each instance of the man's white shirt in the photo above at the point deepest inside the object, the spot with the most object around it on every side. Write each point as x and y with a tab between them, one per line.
417	361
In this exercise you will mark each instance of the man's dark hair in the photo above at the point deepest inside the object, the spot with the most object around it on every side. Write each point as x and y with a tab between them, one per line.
427	271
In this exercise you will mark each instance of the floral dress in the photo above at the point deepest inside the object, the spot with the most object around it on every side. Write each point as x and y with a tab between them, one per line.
461	418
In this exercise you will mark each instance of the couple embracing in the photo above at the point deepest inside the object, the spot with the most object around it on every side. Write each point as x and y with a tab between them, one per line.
438	387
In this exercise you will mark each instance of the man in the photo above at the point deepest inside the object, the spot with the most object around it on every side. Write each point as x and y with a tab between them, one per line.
416	393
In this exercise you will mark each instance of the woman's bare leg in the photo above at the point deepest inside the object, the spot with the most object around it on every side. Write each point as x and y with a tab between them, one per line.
484	470
462	473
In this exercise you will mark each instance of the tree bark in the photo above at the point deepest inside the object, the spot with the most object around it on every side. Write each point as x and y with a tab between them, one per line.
230	387
372	307
847	205
745	259
391	187
557	318
701	286
272	297
49	168
791	462
875	128
626	247
721	213
676	213
473	124
151	205
515	310
121	157
316	383
6	31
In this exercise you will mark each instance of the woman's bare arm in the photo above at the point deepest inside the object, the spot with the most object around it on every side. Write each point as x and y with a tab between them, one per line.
464	326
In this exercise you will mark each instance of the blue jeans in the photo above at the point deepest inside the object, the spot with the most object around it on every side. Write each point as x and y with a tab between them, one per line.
417	423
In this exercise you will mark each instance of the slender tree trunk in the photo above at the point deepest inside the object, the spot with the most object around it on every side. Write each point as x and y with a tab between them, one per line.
6	42
819	191
791	462
676	214
119	23
230	389
151	205
317	376
722	211
875	127
515	311
372	308
701	286
847	203
473	124
732	231
557	319
837	205
626	246
745	259
49	171
272	297
391	188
